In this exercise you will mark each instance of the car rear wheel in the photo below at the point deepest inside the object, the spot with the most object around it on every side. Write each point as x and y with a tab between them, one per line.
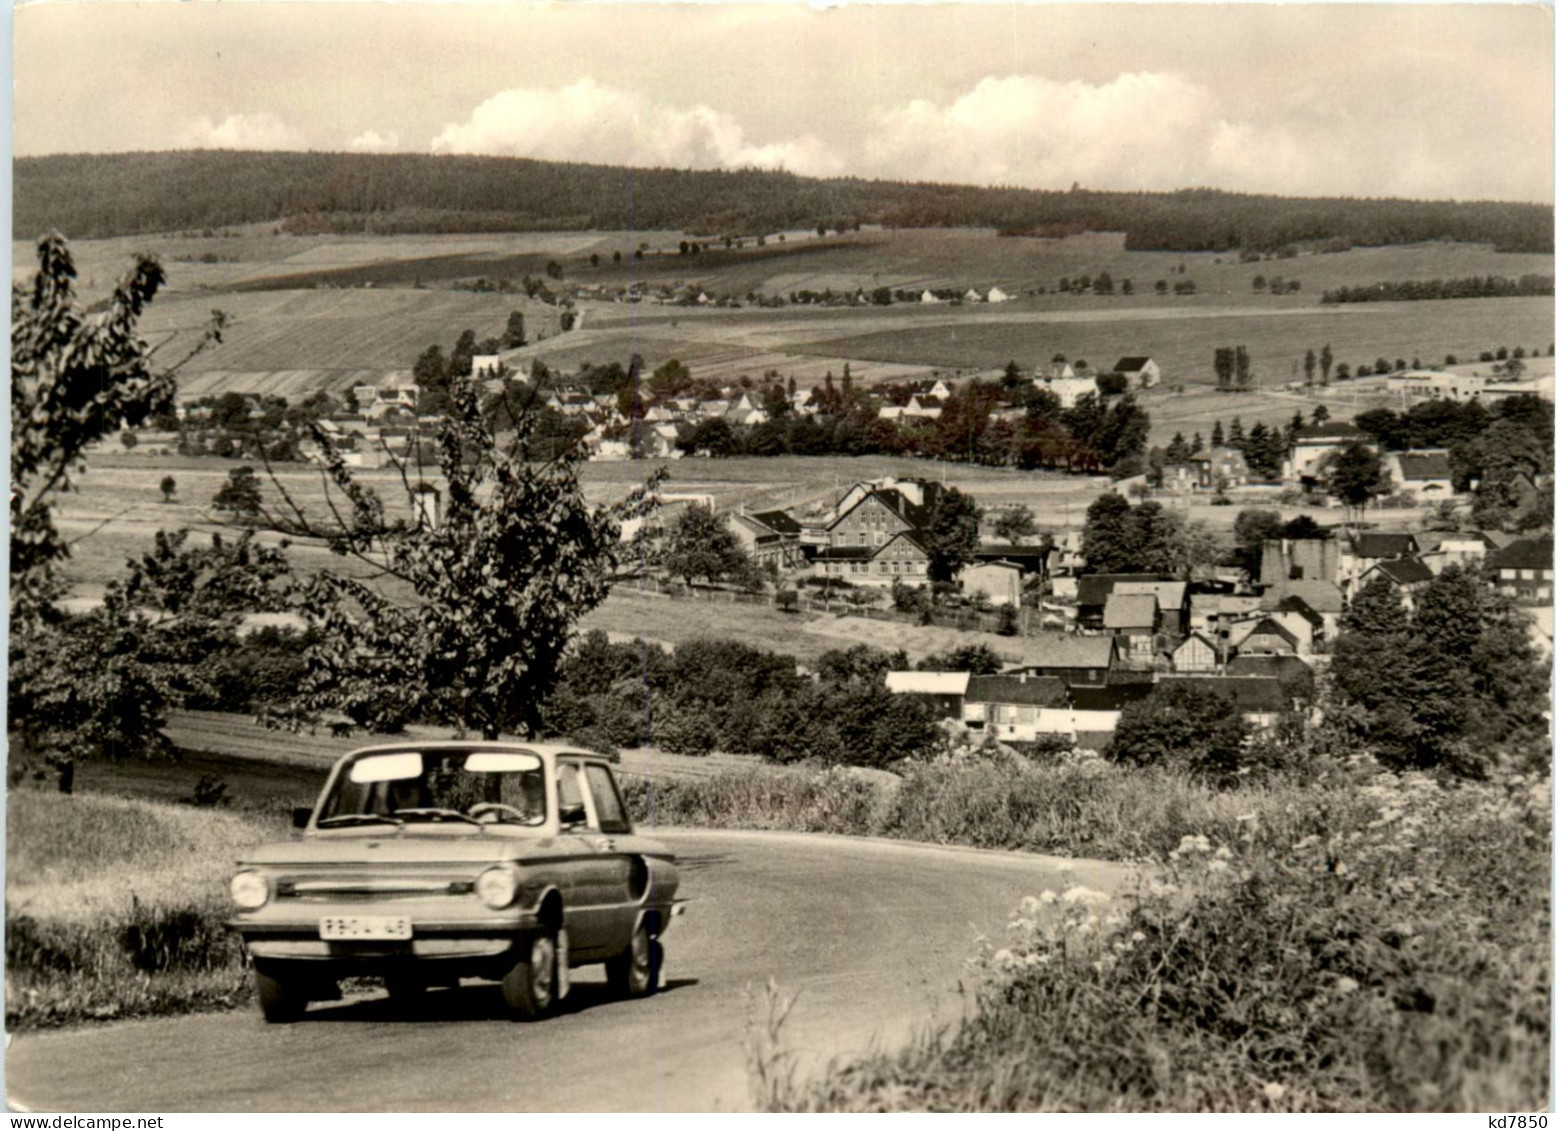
530	987
281	1000
636	971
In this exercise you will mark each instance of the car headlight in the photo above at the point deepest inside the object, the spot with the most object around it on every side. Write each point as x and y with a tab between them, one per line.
497	887
250	890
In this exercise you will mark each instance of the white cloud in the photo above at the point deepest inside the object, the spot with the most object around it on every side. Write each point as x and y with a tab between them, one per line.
371	141
587	121
242	131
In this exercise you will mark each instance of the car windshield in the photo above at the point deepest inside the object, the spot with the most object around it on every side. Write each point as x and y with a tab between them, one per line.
436	786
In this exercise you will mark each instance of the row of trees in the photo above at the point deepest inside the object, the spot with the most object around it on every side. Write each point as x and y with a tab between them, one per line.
1147	538
94	195
1475	286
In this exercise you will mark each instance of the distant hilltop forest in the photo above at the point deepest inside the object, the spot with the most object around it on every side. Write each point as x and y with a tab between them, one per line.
97	195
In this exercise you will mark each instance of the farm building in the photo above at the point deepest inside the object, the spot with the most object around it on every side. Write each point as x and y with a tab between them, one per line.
1142	372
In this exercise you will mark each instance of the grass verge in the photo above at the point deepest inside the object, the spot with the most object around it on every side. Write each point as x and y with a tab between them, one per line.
1395	957
115	907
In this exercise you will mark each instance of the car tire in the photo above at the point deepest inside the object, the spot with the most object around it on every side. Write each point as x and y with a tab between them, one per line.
281	1001
530	986
636	971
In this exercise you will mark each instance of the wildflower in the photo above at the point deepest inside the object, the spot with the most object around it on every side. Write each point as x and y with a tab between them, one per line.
1047	897
1137	937
1029	906
1224	853
1002	959
1217	866
1345	986
1274	1092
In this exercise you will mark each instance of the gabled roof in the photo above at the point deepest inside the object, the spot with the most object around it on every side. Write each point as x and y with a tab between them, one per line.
1130	611
1292	603
1251	694
1527	553
1130	364
1324	597
1208	641
1424	465
1403	571
1094	588
1376	544
1062	650
928	683
1275	627
780	522
1111	697
1026	691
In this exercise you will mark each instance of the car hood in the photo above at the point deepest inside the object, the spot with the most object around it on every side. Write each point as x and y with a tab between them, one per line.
389	846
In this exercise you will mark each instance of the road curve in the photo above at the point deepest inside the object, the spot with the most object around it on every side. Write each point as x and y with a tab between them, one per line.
871	934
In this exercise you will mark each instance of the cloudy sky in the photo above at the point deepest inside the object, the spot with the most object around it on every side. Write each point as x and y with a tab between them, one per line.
1413	100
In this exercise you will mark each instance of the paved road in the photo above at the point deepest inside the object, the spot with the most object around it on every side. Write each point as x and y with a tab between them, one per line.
872	935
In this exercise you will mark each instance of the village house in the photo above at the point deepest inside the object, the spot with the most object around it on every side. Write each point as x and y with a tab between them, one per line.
999	581
1408	575
1077	660
1523	570
1293	673
943	692
770	538
1413	385
1324	598
1213	612
1312	445
1142	372
1442	549
1306	626
1133	620
923	407
1198	652
1009	707
1426	474
1093	591
1219	468
1172	600
1362	552
1264	637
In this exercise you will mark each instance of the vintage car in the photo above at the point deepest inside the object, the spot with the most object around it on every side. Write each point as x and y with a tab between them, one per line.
425	863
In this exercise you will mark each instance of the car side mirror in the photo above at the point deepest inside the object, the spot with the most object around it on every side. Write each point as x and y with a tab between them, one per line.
572	814
301	816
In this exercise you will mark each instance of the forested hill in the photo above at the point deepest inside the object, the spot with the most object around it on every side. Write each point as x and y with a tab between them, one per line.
88	196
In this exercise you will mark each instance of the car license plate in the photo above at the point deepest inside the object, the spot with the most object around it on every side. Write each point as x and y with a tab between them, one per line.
350	928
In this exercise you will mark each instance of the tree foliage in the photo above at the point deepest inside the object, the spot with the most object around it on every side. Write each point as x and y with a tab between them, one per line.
701	544
1185	726
952	534
468	618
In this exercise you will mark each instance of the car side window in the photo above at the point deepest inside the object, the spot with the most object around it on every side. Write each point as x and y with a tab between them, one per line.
570	795
608	803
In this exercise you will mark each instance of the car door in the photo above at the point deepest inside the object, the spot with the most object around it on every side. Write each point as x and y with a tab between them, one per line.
622	846
598	874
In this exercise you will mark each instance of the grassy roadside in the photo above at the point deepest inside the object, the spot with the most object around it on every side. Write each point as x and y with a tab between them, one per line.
115	907
1395	956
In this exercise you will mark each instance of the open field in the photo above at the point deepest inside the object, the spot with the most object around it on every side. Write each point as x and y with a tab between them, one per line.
298	338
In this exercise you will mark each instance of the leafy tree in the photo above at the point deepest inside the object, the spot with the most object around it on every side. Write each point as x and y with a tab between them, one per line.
951	536
1355	476
700	544
1310	362
513	333
1241	375
977	659
670	380
1222	363
240	496
75	378
478	609
1015	524
168	487
1184	726
1251	530
1178	451
1326	359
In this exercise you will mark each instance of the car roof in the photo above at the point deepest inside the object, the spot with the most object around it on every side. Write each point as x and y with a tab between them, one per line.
552	749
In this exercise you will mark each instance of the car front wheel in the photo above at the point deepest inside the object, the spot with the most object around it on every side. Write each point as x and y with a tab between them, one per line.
636	971
530	987
281	1000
